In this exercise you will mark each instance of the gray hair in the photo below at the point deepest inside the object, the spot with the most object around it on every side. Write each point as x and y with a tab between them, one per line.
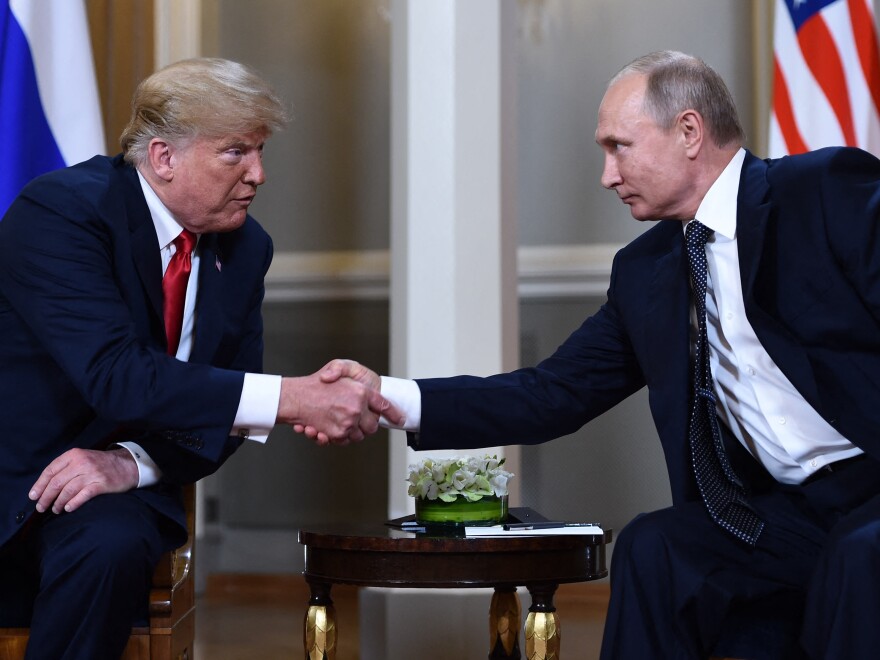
202	97
677	82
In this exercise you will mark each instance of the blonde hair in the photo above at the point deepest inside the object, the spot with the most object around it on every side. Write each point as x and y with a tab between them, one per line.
202	97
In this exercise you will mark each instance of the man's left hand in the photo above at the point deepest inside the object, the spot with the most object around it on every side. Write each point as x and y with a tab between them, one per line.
78	475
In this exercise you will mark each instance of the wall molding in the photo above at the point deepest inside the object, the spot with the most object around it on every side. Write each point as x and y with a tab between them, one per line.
543	272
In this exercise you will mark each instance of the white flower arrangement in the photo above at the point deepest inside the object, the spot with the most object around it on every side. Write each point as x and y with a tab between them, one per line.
471	477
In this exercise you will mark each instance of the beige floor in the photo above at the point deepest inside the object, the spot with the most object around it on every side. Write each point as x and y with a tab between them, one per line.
248	617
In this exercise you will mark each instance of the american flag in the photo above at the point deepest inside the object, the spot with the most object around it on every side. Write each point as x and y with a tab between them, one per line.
826	79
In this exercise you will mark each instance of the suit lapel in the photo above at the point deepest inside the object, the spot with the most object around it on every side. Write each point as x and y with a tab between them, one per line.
754	216
209	311
666	354
667	317
144	241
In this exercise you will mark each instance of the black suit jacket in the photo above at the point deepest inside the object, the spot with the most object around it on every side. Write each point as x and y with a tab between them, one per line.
808	232
82	340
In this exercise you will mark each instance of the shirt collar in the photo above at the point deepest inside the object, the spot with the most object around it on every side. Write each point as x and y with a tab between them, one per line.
718	209
167	228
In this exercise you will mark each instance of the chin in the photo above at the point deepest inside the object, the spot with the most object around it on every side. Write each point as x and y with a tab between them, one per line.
641	216
234	222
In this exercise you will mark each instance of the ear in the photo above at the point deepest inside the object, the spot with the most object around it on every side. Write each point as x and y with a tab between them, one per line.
161	156
690	127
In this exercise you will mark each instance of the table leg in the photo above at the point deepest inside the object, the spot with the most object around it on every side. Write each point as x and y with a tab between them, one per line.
504	617
542	630
319	635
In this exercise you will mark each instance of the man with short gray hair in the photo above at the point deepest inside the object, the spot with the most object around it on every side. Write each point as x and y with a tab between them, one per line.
751	313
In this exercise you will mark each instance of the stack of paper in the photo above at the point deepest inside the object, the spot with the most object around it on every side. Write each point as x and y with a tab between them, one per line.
560	530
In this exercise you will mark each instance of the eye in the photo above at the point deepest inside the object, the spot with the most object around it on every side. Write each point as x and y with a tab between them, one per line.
612	146
232	154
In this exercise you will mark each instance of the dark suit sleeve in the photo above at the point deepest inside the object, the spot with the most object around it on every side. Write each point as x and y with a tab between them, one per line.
592	371
64	262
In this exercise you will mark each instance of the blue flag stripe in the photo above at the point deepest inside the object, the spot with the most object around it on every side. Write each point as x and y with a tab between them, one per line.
27	140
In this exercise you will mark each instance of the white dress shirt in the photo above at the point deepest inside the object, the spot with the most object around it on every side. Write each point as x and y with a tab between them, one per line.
757	402
755	399
261	393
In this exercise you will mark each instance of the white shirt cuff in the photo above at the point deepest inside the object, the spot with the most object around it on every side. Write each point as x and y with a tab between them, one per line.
148	472
258	407
407	397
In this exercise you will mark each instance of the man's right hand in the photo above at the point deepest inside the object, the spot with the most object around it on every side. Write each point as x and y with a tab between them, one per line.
338	404
78	475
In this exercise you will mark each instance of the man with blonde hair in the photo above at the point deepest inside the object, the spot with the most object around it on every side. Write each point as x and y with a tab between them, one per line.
130	296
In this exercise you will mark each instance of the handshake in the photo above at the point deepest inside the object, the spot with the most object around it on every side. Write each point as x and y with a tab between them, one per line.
338	404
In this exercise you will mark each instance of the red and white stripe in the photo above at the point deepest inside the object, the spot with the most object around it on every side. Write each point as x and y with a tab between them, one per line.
826	84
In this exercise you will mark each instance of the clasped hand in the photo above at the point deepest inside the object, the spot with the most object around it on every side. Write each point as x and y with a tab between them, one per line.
338	404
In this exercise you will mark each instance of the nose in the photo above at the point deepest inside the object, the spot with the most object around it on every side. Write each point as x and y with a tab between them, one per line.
255	175
610	173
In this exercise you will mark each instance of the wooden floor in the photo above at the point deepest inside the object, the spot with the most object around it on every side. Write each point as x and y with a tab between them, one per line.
243	617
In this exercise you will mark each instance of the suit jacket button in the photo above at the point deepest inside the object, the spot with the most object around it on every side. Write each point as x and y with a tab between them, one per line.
19	517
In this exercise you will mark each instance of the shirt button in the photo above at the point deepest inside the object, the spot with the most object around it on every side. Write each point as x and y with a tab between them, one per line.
751	371
781	421
814	463
728	316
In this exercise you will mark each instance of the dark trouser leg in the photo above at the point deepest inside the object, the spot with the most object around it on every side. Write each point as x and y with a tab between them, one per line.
682	588
651	582
676	578
96	567
842	616
19	581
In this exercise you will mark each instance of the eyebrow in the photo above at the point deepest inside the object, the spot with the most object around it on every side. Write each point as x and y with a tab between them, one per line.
609	139
241	144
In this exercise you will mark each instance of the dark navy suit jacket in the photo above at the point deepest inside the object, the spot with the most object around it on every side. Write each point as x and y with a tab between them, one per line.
808	232
82	340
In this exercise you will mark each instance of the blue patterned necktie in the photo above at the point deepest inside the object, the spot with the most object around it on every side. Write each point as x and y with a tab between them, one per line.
719	486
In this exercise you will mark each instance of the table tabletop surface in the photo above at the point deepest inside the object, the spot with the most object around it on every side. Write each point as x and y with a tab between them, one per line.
380	555
380	537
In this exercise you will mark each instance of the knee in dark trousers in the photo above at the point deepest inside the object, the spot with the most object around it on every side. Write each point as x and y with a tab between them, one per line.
96	567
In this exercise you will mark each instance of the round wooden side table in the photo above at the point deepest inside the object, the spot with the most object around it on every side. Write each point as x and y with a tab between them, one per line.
382	556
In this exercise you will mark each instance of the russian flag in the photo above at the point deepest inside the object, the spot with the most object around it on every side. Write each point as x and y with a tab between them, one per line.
49	111
826	82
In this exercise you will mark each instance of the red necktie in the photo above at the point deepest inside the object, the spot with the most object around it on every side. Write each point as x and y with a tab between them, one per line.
174	287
